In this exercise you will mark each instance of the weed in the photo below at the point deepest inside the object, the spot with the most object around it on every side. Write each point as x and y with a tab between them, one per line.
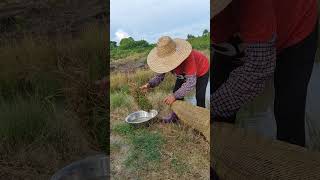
124	129
23	120
148	144
119	99
31	123
145	148
98	124
201	42
179	166
140	98
118	81
33	71
115	146
168	83
125	89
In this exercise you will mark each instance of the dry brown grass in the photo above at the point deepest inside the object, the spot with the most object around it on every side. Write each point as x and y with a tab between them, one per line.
185	153
62	73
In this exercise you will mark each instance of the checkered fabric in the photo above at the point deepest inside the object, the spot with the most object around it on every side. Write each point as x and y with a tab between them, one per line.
186	87
246	81
156	80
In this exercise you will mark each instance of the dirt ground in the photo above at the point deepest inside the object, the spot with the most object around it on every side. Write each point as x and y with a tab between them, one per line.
184	153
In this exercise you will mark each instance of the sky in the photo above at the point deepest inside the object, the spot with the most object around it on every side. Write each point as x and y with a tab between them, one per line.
150	19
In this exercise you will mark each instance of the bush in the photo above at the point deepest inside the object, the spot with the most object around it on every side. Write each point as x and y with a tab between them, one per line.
200	43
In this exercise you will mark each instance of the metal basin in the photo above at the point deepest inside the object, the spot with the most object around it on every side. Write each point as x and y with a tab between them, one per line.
141	116
91	168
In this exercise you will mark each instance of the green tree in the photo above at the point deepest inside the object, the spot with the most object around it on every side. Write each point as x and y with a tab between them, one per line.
190	36
113	44
127	43
141	43
205	32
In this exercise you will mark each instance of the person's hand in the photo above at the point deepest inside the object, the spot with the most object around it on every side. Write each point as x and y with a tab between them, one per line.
145	88
169	99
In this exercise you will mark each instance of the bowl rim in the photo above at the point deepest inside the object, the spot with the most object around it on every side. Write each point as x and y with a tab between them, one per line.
73	165
156	113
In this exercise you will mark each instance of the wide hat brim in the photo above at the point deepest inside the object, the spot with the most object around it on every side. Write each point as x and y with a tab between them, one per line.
217	6
169	62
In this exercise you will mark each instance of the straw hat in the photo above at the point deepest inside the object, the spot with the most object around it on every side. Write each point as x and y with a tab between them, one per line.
218	5
168	54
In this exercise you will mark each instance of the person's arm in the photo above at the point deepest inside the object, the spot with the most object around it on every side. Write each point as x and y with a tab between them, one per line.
246	81
186	87
156	80
190	69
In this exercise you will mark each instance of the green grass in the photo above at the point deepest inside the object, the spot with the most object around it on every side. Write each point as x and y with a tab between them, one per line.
118	53
32	121
115	146
49	102
200	43
179	166
168	83
135	51
148	144
145	146
23	120
141	99
98	124
124	129
120	100
125	89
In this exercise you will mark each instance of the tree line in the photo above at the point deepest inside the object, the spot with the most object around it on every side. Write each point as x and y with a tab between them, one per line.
129	46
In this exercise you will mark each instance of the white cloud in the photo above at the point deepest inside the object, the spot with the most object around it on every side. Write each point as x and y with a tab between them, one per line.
120	34
148	19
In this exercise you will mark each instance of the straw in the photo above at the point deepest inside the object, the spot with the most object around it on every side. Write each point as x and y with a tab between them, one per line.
196	117
217	6
168	54
238	154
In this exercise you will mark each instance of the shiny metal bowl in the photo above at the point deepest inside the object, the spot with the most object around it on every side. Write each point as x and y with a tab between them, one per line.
90	168
141	116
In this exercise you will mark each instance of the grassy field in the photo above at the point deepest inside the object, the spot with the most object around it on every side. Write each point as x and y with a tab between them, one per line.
128	48
51	110
157	150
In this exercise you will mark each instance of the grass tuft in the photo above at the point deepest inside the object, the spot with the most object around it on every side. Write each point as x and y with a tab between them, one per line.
120	100
179	166
23	120
140	98
50	103
124	129
148	144
145	149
